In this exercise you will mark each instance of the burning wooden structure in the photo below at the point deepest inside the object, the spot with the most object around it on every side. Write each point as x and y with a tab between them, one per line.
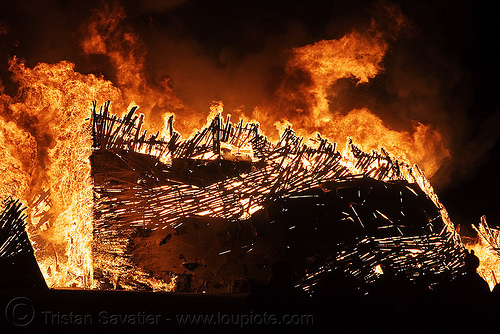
213	212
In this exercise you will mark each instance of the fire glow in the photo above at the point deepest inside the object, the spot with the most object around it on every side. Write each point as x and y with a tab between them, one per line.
46	143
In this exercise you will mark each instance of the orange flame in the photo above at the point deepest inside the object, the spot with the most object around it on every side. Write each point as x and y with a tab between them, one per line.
355	55
305	98
47	147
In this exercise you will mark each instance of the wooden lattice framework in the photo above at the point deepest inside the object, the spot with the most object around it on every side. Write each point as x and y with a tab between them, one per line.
159	195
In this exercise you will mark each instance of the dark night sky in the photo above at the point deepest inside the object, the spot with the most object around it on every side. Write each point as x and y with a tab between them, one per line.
453	41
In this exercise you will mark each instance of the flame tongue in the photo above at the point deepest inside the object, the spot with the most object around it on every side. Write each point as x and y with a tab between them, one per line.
355	55
306	99
107	34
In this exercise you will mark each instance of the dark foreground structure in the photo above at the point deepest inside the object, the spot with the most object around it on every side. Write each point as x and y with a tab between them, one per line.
337	309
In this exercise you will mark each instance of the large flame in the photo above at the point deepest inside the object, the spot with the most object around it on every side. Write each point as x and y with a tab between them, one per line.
305	98
45	144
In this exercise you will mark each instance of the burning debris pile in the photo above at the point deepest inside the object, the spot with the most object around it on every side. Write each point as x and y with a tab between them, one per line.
213	212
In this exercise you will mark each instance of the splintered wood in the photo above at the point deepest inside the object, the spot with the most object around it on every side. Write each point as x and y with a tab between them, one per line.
488	235
163	196
13	237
